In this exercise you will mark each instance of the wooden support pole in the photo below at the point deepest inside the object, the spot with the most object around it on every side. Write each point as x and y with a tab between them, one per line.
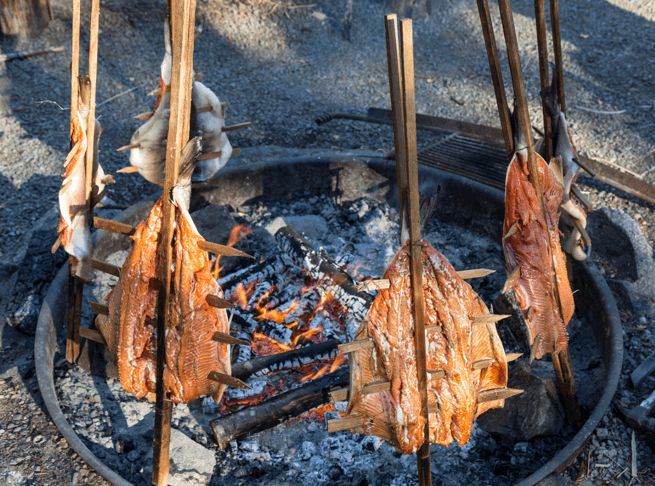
75	60
182	14
542	46
396	95
496	75
557	52
416	268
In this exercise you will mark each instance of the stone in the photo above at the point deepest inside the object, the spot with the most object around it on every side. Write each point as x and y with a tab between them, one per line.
536	412
191	463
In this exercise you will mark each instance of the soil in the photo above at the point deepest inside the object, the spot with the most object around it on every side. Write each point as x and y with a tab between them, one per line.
281	64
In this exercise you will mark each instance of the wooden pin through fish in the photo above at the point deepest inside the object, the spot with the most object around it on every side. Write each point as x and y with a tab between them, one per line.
218	302
128	147
475	273
222	250
106	267
512	279
204	109
373	285
498	394
92	335
130	169
228	380
99	308
509	357
489	318
236	126
113	226
535	344
341	394
511	231
221	337
346	423
145	116
210	155
353	346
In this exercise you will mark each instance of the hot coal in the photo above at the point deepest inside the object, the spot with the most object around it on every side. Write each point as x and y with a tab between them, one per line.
361	237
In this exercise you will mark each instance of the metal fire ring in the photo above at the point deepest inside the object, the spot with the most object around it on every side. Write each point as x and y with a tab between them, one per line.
333	173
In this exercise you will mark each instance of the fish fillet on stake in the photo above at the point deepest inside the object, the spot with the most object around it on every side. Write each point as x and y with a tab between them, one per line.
130	328
533	255
458	336
73	232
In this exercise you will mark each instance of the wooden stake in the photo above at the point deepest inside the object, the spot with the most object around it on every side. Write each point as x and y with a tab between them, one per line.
557	51
566	385
182	14
496	75
75	60
416	268
396	94
542	45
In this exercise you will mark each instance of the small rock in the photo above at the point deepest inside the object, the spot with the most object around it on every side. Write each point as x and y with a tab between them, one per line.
133	455
39	439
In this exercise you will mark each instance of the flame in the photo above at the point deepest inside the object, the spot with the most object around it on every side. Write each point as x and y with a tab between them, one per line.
325	299
307	335
237	233
317	413
336	363
263	345
241	294
269	391
276	315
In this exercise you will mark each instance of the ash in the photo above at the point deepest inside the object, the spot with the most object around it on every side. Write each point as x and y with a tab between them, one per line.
362	236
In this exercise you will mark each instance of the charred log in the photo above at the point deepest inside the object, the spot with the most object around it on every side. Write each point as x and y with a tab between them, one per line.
274	411
295	357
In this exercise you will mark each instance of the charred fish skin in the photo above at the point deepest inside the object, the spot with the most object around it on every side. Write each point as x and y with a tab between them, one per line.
453	344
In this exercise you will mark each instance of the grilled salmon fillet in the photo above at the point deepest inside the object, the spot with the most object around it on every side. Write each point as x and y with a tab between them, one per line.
454	343
534	257
129	329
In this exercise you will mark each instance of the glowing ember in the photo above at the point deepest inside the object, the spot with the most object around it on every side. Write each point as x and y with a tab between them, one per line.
263	345
336	363
317	413
232	403
306	336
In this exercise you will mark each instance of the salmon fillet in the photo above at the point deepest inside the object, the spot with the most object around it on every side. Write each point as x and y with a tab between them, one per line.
453	343
73	231
531	244
130	330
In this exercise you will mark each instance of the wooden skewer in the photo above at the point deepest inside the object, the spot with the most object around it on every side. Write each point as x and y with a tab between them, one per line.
237	126
372	285
130	146
557	51
354	346
106	267
130	169
513	356
475	273
341	394
222	250
92	335
228	380
496	75
489	318
99	308
227	339
210	155
182	14
218	302
204	109
542	45
113	226
345	423
498	394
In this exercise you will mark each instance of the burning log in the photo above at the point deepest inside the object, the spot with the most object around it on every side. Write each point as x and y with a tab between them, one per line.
274	411
320	266
276	361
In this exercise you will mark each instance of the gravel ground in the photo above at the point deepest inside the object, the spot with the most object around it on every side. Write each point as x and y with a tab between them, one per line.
268	59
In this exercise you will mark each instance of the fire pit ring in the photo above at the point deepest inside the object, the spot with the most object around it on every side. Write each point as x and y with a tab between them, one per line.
347	175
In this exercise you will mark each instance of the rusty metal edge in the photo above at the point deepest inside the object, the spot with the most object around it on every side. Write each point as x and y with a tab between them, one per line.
53	310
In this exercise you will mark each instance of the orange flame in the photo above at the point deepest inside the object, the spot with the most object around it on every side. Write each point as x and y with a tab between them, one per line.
242	294
237	233
338	361
307	335
263	345
276	315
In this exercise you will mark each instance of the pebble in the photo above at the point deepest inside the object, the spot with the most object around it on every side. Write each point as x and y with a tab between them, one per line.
38	439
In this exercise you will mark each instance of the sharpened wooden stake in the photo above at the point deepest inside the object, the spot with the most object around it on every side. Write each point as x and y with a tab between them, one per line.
372	285
221	337
512	356
354	346
182	14
130	169
106	267
210	155
475	273
557	51
218	302
236	126
113	226
228	380
222	250
498	394
99	308
489	318
92	335
345	423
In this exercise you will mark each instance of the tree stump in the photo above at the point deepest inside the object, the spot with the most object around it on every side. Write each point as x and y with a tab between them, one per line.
24	17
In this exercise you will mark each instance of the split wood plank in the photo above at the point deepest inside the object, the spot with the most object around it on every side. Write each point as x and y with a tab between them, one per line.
542	48
557	53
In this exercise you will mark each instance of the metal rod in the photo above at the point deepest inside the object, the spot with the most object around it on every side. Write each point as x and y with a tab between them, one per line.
416	269
397	116
557	51
542	46
182	14
496	75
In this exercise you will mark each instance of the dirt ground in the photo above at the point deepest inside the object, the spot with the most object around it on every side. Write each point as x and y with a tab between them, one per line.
281	64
